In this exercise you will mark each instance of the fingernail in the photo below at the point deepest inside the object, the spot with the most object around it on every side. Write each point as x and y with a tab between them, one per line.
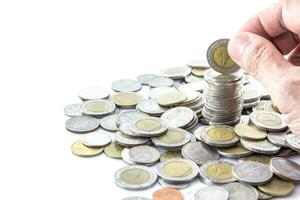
237	45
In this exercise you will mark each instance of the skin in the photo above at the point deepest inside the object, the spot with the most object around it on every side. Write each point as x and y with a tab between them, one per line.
268	48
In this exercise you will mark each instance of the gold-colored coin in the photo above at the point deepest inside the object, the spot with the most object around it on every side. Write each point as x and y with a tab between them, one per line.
170	154
97	106
79	149
258	158
126	99
249	132
171	137
177	169
235	149
220	171
113	150
221	56
198	72
148	124
268	119
172	98
135	176
221	134
277	187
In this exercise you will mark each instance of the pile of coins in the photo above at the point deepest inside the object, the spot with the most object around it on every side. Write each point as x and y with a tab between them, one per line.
168	131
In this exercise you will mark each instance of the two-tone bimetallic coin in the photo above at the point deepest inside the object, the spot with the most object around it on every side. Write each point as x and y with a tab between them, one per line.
82	124
98	108
126	85
240	191
172	98
93	93
260	146
212	193
135	177
267	120
126	99
73	110
144	154
79	149
148	127
128	116
286	169
249	132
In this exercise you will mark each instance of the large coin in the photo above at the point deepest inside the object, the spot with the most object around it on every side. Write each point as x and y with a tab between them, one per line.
277	187
126	99
113	150
145	78
126	85
239	191
219	59
79	149
178	117
161	82
82	124
286	169
93	93
260	146
97	138
148	127
249	132
267	120
172	98
144	154
253	173
135	177
73	110
212	193
98	107
109	122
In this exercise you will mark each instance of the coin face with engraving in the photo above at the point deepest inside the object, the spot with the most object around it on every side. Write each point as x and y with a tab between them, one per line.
178	117
172	98
260	146
267	120
98	107
82	124
144	154
173	138
148	127
126	99
150	107
249	132
167	194
240	191
236	151
286	169
219	59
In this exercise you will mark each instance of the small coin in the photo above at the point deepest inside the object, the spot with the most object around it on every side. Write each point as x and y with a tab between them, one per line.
219	59
201	64
97	138
150	107
73	110
177	170
169	155
240	191
218	172
253	173
126	140
145	78
148	127
136	198
163	183
277	187
154	93
82	124
144	154
267	120
172	98
178	117
176	72
93	93
126	85
212	193
293	141
237	151
161	82
97	107
79	149
199	152
249	132
278	138
109	122
257	158
126	99
167	194
128	116
260	146
135	177
113	150
286	169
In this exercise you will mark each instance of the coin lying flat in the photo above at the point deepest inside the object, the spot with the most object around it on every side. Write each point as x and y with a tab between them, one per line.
128	116
293	142
253	173
126	157
218	172
198	132
169	155
145	78
212	192
93	93
257	158
82	124
163	183
260	146
97	138
177	170
178	117
199	152
237	151
73	110
267	120
154	93
113	150
277	187
148	127
240	191
251	95
98	107
144	154
126	140
286	169
126	85
249	132
150	107
109	122
135	177
126	99
219	59
172	98
278	138
161	82
176	72
167	194
79	149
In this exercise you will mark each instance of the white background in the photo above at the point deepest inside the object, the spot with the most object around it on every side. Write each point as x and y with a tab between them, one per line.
51	49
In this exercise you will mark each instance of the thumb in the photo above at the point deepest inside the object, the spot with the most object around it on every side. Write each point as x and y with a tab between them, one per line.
259	57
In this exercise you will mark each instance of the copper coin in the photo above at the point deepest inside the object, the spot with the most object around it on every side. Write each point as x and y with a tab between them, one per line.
167	194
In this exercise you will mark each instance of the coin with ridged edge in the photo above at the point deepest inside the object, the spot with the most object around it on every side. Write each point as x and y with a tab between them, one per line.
267	120
148	127
249	132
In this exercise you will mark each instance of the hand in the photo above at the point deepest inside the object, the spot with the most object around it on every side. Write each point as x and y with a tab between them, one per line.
260	47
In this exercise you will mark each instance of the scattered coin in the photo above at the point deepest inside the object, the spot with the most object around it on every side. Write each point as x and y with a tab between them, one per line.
286	169
249	132
251	95
198	72
73	110
154	93
253	173
82	124
128	141
128	116
198	132
212	193
98	108
278	138
145	78
263	159
135	177
192	79
161	82
79	149
98	138
201	64
293	141
194	86
167	194
126	99
93	93
263	196
260	146
176	72
126	85
178	117
109	122
113	150
172	98
150	107
163	183
169	155
277	187
237	151
148	127
144	154
267	120
240	191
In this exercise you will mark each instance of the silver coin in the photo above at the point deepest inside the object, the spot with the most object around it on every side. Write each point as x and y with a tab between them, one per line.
178	117
125	129
240	191
252	173
261	119
98	108
263	196
82	124
154	93
198	132
126	140
260	146
161	82
126	157
145	78
212	193
73	110
141	127
93	93
201	64
128	116
293	141
209	179
188	176
194	86
124	177
144	154
98	138
251	104
109	122
126	85
251	95
164	183
286	169
176	72
199	152
136	198
150	107
193	78
278	138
